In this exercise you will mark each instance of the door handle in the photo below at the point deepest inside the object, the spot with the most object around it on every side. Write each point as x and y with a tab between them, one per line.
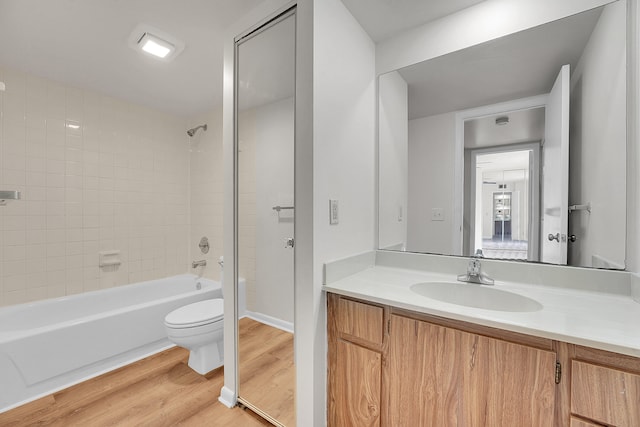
289	242
553	237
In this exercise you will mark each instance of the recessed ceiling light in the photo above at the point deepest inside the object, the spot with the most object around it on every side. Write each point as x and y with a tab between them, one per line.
154	42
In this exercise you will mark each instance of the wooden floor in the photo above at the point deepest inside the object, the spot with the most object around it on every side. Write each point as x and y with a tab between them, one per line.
267	372
163	391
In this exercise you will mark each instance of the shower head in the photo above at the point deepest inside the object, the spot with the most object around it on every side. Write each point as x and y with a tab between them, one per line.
193	131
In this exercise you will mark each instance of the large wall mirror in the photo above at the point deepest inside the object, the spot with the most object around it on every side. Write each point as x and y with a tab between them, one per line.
512	149
264	144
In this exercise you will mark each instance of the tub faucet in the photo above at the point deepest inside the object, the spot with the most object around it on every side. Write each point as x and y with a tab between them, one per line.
475	273
201	263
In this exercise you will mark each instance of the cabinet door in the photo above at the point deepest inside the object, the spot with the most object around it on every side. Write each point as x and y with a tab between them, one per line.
423	376
506	384
354	390
441	376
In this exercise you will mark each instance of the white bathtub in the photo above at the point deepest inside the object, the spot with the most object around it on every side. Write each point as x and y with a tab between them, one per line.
49	345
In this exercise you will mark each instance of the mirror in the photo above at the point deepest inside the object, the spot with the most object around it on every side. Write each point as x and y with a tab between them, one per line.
264	120
512	149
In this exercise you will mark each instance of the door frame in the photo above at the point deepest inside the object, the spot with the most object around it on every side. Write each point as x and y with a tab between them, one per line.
458	207
533	247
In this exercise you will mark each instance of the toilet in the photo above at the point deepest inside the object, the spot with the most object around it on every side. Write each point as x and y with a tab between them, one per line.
198	327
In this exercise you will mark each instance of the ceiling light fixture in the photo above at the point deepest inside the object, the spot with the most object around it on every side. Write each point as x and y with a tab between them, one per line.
154	42
155	45
502	120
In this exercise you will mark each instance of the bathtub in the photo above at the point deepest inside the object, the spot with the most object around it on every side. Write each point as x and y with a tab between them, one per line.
49	345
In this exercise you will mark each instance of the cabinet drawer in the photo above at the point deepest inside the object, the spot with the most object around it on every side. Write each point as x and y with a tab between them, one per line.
360	320
606	395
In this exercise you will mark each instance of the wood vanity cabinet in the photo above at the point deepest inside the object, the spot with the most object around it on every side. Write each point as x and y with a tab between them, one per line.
406	371
601	388
392	367
356	336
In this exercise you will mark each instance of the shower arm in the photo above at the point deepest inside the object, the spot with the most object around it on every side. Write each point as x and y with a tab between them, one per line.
191	132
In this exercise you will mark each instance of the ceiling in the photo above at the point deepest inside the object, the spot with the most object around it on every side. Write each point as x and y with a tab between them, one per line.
524	126
83	43
382	19
515	66
505	166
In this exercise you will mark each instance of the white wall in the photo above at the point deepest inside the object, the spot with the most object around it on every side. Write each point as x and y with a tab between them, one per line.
393	139
273	148
117	182
343	169
598	142
265	172
431	178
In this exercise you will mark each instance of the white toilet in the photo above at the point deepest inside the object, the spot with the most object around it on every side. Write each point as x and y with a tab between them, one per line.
198	327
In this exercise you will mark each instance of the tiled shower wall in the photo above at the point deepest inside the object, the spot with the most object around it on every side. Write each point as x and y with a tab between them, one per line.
206	184
96	174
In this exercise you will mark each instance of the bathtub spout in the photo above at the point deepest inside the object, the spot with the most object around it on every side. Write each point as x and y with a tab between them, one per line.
201	263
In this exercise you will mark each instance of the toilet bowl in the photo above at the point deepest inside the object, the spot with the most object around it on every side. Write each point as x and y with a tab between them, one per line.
198	327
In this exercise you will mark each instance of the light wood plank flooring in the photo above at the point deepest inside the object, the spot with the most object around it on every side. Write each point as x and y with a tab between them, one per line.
158	391
267	372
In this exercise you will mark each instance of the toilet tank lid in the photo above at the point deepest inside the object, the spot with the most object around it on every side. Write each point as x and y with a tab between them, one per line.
196	314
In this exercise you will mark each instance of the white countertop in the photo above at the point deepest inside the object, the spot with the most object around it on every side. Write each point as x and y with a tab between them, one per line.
606	321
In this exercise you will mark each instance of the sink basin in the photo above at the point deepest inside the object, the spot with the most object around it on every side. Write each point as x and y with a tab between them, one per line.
477	296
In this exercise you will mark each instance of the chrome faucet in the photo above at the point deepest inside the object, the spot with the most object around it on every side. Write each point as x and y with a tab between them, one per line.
475	273
201	263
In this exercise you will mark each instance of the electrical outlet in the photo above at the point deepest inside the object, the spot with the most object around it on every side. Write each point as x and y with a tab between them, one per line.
437	214
333	212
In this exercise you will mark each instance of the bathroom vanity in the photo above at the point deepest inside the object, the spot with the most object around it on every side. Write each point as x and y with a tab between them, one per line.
397	357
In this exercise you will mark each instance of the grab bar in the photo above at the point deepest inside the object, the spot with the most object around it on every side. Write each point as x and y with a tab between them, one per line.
281	208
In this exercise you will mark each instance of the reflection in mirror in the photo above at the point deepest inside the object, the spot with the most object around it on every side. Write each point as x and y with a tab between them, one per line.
265	79
511	149
502	193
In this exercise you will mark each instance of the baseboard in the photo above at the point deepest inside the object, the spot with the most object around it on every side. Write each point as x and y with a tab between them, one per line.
271	321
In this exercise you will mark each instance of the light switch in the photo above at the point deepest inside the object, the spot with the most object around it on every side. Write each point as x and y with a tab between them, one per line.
333	212
437	214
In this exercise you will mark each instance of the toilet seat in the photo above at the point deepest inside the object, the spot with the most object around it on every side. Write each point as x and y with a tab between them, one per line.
197	314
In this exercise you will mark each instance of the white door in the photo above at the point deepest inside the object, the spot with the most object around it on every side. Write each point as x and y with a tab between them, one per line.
555	172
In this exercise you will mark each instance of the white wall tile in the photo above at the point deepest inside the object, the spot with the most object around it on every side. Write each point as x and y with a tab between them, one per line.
118	181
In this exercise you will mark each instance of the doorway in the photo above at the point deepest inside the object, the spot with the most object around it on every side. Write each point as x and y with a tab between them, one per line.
505	201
